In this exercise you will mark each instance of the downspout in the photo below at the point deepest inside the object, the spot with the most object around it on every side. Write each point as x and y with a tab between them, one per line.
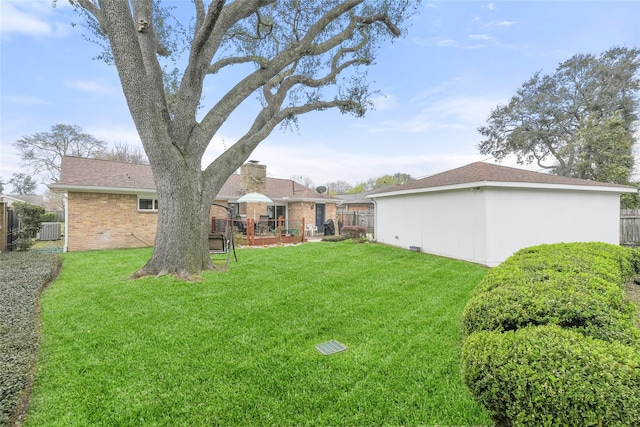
375	219
65	248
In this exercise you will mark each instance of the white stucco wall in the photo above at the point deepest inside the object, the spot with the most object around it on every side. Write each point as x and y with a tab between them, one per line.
488	224
447	223
518	218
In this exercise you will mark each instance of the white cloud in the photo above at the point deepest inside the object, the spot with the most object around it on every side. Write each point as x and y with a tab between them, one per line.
437	114
446	43
490	6
112	135
353	166
98	87
385	103
32	18
23	100
481	37
506	23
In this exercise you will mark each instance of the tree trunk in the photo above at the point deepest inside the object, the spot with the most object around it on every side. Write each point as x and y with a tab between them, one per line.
181	247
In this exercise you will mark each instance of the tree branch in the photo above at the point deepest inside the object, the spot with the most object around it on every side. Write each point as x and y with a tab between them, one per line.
296	50
218	65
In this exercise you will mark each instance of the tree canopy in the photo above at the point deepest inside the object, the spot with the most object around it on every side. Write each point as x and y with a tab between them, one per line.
23	184
294	56
578	121
42	152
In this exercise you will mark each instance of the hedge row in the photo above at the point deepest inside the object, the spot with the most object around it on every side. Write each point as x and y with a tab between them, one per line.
22	277
549	376
549	338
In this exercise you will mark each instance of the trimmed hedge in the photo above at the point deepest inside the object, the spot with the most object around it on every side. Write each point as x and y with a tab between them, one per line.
581	301
546	322
354	231
22	277
549	376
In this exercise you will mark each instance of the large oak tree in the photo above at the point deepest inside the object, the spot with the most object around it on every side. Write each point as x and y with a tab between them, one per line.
579	121
306	55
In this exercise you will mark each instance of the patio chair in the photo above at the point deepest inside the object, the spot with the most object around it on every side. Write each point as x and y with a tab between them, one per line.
310	230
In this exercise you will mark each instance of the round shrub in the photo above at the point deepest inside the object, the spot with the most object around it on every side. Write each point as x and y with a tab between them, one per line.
354	232
549	376
611	262
512	299
48	217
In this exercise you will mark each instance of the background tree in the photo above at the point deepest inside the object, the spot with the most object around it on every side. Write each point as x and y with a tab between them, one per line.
303	180
23	184
122	152
296	56
606	150
358	188
42	152
339	187
395	179
1	185
577	122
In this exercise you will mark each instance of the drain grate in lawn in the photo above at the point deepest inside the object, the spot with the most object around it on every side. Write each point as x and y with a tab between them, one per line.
330	347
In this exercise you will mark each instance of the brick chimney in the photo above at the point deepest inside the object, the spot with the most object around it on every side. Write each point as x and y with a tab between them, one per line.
253	177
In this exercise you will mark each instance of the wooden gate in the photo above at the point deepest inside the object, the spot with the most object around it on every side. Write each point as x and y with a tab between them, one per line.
630	227
8	227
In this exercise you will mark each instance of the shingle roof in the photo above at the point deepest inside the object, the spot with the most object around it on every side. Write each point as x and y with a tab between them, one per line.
355	198
105	175
481	172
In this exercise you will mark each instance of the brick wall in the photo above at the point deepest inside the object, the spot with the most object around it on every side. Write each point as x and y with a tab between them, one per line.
106	221
253	178
299	210
307	210
109	221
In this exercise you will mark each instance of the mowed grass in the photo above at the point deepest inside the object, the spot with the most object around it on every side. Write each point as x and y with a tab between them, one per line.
238	348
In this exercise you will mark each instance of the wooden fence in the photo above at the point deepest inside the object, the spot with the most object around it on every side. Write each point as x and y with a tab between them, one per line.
630	227
360	219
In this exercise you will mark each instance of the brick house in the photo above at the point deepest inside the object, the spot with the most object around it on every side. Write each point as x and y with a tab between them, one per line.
113	204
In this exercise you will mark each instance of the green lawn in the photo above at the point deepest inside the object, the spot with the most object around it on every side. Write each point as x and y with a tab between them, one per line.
238	348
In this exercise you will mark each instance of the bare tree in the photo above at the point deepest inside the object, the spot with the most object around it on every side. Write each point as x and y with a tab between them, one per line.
339	187
42	152
303	180
303	55
122	152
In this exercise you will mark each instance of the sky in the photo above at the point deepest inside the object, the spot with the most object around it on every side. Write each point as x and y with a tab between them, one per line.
436	86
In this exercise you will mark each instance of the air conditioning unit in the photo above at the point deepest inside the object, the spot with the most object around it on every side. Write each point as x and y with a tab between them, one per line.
49	231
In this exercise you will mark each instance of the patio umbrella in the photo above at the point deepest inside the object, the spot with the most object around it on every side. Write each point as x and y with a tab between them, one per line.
254	198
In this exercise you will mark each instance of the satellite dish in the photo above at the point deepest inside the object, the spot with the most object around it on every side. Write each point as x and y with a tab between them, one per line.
321	189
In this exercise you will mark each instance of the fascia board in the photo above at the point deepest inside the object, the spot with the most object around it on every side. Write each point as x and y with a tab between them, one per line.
113	190
495	184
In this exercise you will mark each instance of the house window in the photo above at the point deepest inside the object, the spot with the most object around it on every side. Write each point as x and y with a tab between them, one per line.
147	204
